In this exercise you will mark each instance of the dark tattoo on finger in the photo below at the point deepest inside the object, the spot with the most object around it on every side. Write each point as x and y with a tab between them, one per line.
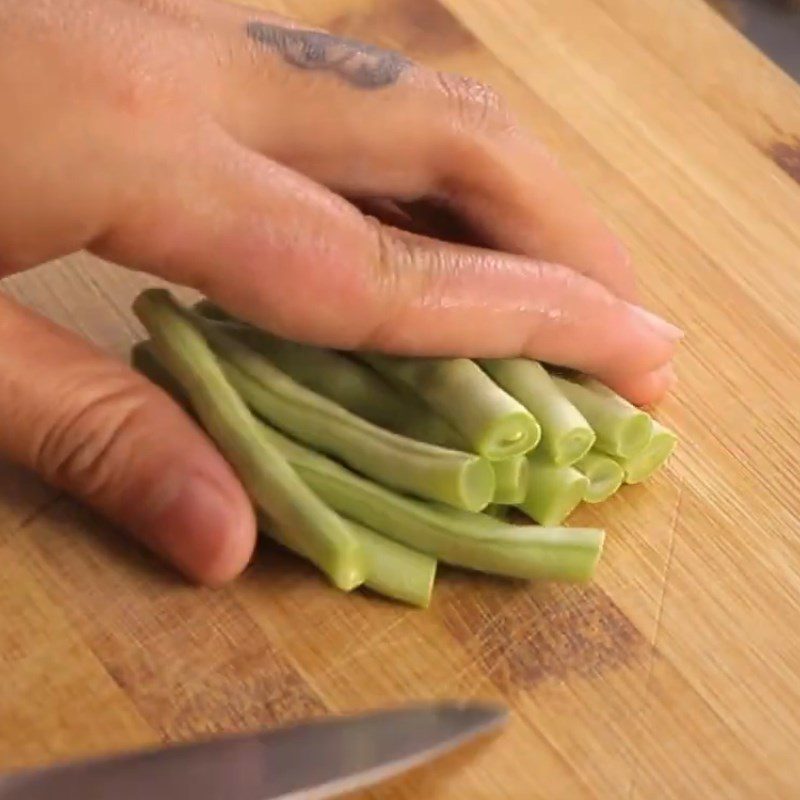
362	65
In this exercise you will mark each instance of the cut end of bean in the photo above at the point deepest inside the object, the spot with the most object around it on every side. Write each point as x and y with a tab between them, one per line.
621	428
476	486
661	446
511	480
553	492
582	569
580	565
395	570
572	446
509	436
634	435
346	572
605	476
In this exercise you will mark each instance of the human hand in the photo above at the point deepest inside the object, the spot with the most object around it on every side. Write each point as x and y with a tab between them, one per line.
215	146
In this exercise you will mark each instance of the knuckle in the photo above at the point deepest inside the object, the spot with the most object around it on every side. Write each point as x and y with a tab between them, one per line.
88	446
392	256
476	106
398	281
622	258
544	313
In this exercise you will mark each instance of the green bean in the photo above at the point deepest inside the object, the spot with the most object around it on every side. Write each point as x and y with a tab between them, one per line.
510	480
211	311
474	541
346	381
267	476
621	428
393	570
494	424
553	492
145	360
642	465
463	480
498	511
566	435
604	473
351	384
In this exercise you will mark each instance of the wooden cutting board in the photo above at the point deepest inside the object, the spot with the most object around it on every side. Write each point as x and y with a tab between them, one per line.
677	672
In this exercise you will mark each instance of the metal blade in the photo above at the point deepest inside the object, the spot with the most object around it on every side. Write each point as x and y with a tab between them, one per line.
312	760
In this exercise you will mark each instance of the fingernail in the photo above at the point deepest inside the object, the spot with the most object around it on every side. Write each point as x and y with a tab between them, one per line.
192	524
670	376
666	330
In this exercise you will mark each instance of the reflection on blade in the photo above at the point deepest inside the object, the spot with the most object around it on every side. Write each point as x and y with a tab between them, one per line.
317	759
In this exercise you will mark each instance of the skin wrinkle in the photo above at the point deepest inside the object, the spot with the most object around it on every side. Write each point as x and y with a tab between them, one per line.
96	390
388	255
548	312
478	107
436	287
79	450
526	269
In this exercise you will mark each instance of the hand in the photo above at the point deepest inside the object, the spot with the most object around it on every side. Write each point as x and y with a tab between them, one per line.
215	146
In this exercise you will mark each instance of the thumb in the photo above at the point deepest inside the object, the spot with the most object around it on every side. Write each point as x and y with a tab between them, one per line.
95	428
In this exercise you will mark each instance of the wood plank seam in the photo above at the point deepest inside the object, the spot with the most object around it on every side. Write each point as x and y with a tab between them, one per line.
657	627
568	763
753	104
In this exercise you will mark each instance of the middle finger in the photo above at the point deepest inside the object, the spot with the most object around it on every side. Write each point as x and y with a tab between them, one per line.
369	122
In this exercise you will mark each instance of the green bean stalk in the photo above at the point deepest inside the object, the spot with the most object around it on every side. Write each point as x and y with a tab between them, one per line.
566	435
603	473
272	483
652	457
392	570
464	480
553	492
474	541
493	423
422	446
621	429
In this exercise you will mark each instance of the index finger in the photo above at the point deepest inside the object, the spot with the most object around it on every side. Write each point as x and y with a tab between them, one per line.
450	299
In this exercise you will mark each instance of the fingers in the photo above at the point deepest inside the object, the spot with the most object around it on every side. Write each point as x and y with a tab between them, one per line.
93	427
453	299
265	243
645	389
411	133
518	199
286	254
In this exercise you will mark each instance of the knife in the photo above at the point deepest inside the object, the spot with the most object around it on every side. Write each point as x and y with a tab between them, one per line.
310	760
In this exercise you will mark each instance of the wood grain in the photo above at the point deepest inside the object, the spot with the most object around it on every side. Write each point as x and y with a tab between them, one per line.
675	674
752	100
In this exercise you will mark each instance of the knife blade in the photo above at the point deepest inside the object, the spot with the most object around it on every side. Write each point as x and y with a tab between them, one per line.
311	760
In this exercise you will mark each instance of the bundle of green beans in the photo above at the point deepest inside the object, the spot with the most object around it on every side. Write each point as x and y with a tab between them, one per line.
375	468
